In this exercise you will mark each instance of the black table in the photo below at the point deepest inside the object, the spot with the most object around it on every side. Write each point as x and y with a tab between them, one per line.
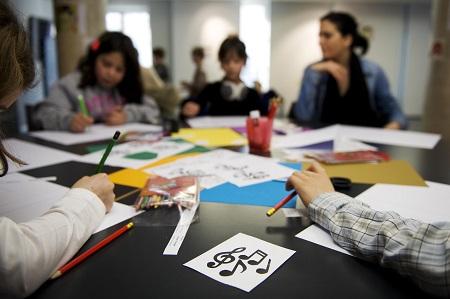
133	265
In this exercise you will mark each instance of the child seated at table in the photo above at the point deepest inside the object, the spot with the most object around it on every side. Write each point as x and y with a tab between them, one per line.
31	251
229	96
108	79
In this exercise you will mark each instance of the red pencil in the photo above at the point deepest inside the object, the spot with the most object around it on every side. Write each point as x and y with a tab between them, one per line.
91	250
281	203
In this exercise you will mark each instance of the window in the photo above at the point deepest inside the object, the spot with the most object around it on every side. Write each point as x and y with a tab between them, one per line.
137	26
254	30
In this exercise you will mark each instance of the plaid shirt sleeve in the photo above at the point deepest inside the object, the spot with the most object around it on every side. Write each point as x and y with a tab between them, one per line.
413	248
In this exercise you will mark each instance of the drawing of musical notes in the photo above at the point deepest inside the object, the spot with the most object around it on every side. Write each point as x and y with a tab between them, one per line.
264	270
225	257
229	273
262	254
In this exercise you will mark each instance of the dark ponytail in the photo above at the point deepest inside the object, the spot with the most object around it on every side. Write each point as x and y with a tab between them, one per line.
347	25
360	42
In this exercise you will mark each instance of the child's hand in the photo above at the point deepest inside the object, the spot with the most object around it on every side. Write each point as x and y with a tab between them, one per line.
310	183
80	122
190	109
101	186
117	116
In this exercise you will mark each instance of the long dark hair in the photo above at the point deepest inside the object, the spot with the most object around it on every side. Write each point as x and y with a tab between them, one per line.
131	85
16	65
347	25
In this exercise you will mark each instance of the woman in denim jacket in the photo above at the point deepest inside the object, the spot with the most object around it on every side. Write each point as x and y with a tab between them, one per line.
344	88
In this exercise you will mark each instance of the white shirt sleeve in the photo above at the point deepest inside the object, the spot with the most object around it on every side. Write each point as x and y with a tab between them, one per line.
30	252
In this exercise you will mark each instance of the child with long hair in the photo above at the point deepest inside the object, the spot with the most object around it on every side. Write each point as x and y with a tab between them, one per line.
30	252
109	80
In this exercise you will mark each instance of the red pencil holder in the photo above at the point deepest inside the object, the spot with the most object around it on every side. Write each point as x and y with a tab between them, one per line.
259	134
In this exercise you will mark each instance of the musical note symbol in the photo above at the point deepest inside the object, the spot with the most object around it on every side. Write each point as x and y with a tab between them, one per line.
228	272
225	257
264	270
262	254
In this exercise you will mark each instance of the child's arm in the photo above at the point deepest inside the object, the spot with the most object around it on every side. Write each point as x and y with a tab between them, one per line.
57	110
147	112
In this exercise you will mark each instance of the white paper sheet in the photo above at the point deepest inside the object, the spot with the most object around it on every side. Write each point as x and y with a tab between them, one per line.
35	155
23	199
427	204
197	166
242	261
292	213
305	138
393	137
216	167
318	235
376	135
343	144
217	122
118	213
180	231
122	154
93	133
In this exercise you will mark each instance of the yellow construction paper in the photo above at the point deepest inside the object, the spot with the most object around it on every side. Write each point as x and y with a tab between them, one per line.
212	137
167	160
130	177
398	172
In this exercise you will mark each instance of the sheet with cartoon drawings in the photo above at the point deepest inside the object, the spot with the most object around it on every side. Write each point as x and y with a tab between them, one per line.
242	261
139	153
220	166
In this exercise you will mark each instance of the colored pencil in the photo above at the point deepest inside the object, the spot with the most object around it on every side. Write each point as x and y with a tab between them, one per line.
91	251
273	106
107	151
82	104
281	203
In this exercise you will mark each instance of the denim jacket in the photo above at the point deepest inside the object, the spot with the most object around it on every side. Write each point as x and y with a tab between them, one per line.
308	107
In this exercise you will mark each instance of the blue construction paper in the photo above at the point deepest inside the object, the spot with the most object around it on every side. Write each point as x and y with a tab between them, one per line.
263	194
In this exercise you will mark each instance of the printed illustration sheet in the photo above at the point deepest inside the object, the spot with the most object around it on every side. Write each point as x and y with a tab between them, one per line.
220	166
242	261
136	154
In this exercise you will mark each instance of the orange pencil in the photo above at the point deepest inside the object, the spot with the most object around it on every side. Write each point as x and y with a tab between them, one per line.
281	203
91	250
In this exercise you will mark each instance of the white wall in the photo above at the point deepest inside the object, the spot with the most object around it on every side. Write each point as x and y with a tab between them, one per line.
201	23
160	22
294	44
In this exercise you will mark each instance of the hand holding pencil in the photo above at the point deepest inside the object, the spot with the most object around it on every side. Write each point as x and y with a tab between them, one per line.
101	186
308	184
79	122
